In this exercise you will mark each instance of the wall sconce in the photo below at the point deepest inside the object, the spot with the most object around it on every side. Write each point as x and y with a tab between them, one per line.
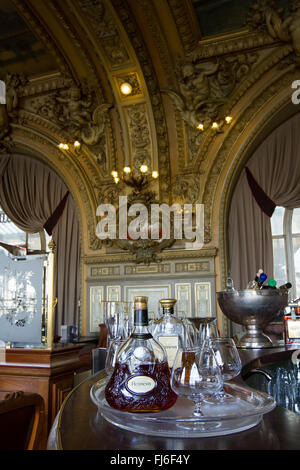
66	145
215	125
125	88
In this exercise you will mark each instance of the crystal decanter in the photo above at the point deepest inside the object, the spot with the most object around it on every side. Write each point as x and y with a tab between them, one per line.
141	378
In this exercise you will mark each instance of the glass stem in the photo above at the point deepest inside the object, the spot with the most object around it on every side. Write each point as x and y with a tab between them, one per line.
221	395
197	409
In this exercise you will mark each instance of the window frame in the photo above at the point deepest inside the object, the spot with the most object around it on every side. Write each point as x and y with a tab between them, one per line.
287	236
42	234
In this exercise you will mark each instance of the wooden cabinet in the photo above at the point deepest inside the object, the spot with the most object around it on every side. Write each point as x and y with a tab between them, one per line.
48	372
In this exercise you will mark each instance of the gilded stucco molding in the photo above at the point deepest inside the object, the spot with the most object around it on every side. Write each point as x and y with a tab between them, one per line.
208	91
140	136
281	25
232	43
72	33
43	84
150	78
86	159
159	40
187	26
107	32
264	65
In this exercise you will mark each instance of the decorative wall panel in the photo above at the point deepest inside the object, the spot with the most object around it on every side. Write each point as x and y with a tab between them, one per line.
153	292
184	300
113	293
203	299
96	314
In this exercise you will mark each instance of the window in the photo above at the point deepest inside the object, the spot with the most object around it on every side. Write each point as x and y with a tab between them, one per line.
21	243
22	283
286	247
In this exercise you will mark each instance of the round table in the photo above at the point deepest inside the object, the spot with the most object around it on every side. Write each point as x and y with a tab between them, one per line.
79	426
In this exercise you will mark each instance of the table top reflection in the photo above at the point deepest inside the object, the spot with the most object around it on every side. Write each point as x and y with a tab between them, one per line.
79	426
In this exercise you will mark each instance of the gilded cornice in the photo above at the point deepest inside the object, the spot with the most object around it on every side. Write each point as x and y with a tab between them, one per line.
231	43
43	84
165	255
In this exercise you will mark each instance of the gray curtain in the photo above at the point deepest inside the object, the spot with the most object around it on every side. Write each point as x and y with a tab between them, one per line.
275	166
29	194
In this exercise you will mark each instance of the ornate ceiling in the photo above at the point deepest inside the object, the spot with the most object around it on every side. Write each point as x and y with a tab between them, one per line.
189	63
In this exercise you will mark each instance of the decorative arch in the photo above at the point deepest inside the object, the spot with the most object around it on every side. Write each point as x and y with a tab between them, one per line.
40	145
270	113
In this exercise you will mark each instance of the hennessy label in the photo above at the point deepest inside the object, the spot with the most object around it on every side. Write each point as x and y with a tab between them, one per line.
170	343
141	384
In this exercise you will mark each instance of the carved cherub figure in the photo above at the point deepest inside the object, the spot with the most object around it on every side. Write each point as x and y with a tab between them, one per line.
77	106
194	84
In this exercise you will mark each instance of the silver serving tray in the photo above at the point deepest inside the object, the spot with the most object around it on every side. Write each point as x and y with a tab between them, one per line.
245	412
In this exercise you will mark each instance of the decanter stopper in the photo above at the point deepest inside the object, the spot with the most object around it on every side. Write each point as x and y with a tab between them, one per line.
229	284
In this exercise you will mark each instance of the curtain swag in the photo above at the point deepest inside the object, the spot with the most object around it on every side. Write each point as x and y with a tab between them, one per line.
54	218
265	203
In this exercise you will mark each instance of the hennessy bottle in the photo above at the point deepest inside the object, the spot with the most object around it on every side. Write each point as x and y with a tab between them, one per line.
170	331
141	378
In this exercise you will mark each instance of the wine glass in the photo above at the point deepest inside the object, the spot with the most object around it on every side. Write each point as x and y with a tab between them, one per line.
181	310
208	331
228	360
195	373
113	319
111	356
128	317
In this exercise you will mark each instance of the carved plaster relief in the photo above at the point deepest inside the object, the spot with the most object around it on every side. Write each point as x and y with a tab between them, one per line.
106	31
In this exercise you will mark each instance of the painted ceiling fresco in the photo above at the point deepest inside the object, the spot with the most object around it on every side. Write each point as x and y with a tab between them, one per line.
223	16
20	51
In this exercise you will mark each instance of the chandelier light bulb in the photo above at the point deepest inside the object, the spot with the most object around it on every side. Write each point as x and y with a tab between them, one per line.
154	174
228	119
143	169
76	144
114	174
117	179
215	125
65	147
200	127
127	169
61	145
126	88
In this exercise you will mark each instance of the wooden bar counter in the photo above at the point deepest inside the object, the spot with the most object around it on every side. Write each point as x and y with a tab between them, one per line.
48	372
78	426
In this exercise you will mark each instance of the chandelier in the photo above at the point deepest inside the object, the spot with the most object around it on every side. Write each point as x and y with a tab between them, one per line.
137	180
